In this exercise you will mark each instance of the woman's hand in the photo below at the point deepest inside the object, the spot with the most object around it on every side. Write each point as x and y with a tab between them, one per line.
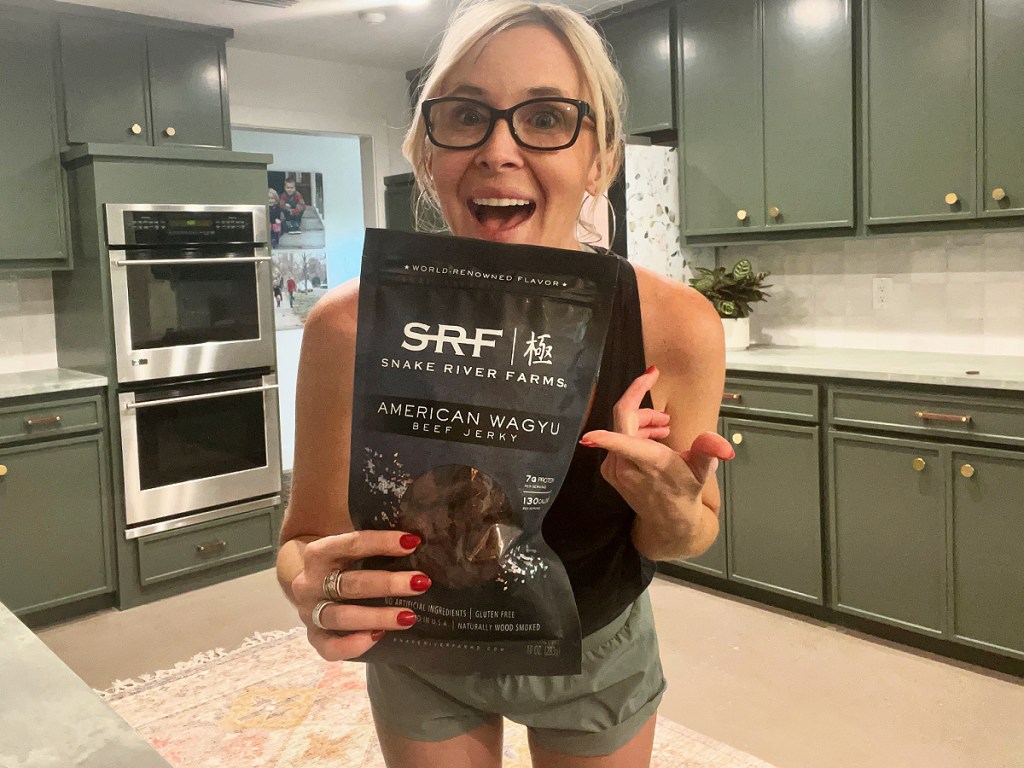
651	476
351	630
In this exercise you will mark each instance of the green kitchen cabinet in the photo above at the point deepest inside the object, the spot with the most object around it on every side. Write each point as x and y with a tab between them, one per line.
988	549
722	130
33	199
187	78
888	521
920	110
54	523
713	561
127	83
773	496
400	198
641	44
767	116
1002	109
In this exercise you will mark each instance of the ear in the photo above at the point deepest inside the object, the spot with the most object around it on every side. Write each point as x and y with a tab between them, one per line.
594	175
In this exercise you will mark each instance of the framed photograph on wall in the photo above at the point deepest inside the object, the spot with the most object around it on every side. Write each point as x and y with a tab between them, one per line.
295	208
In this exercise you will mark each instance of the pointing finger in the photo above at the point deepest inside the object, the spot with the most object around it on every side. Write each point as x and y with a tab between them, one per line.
625	413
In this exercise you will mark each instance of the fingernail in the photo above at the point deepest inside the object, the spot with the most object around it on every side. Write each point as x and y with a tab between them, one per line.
652	369
410	541
588	443
419	583
376	635
714	466
406	618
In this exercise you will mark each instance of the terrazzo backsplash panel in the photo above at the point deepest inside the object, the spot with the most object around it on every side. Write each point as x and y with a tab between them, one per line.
27	335
951	292
652	218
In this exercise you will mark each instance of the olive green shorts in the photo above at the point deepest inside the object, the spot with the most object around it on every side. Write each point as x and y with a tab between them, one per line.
593	713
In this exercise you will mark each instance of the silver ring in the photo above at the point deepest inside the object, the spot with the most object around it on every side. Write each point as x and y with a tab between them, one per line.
332	585
319	609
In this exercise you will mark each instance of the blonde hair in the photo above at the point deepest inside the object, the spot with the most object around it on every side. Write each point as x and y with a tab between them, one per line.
477	20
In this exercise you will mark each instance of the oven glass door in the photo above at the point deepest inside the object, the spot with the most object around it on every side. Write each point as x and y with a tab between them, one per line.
197	446
183	312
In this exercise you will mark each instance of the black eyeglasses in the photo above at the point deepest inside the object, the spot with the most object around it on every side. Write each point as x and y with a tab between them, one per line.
546	124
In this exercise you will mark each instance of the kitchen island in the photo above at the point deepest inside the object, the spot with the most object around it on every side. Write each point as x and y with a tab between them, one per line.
49	718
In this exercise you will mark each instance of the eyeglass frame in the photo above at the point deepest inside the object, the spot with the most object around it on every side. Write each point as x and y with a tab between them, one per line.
584	110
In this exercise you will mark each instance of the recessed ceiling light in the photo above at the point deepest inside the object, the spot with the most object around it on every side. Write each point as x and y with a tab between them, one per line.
373	17
272	3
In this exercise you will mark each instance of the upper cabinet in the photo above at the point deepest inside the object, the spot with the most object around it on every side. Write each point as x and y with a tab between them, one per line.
642	44
32	192
766	115
942	110
129	84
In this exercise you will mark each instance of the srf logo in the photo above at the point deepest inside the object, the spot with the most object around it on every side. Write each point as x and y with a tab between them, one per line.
418	336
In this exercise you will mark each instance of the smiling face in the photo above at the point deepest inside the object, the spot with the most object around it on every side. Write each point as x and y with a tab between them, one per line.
501	191
289	188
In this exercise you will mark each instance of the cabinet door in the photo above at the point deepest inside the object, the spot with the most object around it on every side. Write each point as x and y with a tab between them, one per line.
104	66
808	114
398	203
888	513
641	43
1002	108
713	561
988	550
774	524
53	524
722	141
920	110
186	88
32	196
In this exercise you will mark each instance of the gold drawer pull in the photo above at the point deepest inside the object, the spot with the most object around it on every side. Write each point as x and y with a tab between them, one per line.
951	198
169	131
136	129
998	194
3	470
967	470
737	438
211	547
774	212
918	464
928	416
43	421
732	396
741	214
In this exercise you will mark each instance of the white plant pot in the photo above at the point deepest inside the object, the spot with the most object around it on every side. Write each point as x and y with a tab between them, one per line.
737	332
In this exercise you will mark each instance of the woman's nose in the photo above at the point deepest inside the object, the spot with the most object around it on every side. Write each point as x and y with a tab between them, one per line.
500	149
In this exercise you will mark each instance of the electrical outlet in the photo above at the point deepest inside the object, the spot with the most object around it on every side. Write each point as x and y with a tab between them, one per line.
881	290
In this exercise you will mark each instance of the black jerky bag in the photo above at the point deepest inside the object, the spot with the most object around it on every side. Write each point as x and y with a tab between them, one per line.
475	362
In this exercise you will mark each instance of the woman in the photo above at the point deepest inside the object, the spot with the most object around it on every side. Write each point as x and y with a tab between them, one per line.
520	117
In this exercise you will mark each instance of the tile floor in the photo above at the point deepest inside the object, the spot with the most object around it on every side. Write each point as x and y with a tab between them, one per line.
790	690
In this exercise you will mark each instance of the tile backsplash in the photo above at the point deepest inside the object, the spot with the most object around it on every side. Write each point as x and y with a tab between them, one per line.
951	292
27	336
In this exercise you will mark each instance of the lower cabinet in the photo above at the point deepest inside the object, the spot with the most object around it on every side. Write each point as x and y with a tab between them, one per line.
888	531
54	523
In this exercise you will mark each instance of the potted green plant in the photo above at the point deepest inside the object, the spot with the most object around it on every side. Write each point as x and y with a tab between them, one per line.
732	292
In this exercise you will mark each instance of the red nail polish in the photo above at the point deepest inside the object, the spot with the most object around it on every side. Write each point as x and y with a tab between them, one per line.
652	369
419	583
588	443
410	541
376	635
406	619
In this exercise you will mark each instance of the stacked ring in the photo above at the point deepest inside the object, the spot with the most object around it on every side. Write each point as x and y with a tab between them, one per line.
319	609
332	585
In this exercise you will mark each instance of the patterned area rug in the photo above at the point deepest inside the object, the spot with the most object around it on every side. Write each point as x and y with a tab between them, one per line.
274	703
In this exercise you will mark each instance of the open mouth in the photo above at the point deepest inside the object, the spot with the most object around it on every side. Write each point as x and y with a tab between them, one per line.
498	214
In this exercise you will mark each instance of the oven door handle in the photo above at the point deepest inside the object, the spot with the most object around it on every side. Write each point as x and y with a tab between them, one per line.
158	262
207	396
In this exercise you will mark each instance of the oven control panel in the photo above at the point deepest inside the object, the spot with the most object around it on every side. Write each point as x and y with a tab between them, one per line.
183	225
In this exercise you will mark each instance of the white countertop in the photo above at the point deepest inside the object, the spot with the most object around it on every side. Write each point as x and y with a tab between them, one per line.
46	381
1004	372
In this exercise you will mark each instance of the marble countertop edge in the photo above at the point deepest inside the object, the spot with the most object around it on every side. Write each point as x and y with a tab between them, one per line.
47	381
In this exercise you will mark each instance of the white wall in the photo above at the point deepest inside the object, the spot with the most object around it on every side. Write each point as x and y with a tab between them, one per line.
951	292
27	336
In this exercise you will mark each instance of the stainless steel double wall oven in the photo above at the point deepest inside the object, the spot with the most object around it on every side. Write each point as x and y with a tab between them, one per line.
194	342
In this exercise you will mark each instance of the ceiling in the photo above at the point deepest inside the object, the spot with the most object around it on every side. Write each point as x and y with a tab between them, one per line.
323	29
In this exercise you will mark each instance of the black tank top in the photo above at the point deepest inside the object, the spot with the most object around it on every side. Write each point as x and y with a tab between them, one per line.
589	523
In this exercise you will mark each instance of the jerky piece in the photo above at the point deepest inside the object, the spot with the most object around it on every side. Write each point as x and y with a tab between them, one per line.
466	522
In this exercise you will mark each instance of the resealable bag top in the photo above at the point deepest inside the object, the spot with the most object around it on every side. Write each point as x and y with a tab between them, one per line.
475	364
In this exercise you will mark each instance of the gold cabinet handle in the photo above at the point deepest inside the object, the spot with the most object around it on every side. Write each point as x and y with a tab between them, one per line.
928	416
774	212
741	214
43	421
951	198
967	470
169	130
211	547
732	396
998	194
918	464
3	470
737	438
136	129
